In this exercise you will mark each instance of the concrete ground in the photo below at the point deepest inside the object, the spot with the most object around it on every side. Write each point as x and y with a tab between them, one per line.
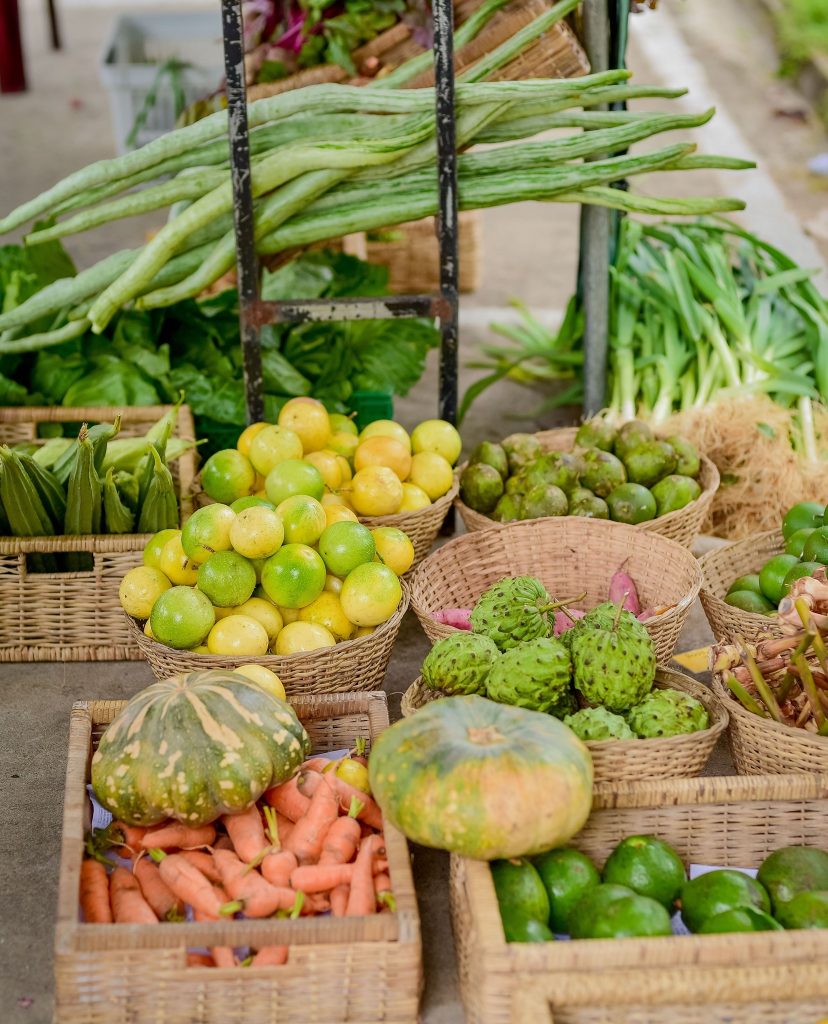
530	252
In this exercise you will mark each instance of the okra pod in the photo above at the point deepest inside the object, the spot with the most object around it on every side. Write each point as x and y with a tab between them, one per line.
118	516
159	508
27	515
50	491
84	500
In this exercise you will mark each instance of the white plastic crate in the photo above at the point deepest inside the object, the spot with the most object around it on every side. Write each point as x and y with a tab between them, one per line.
138	46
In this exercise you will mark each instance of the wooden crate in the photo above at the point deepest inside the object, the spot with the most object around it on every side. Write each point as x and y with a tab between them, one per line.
76	616
348	969
760	978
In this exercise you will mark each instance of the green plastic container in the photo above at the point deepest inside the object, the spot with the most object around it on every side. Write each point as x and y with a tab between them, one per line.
370	406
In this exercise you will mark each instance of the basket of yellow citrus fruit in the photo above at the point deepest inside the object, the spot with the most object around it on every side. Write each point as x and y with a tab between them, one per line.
382	476
303	590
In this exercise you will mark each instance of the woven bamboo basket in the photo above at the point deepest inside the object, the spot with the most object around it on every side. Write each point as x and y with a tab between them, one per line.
360	969
760	978
358	664
762	747
674	757
422	526
682	526
571	556
76	616
719	569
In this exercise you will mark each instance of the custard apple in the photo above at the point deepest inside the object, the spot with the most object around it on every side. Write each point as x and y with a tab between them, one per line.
598	724
613	658
535	675
511	611
459	664
667	713
567	705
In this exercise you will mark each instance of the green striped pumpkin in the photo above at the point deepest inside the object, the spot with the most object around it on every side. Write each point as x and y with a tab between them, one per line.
485	780
196	746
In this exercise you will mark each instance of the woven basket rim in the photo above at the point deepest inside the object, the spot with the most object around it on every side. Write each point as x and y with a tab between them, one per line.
722	556
307	657
786	733
666	678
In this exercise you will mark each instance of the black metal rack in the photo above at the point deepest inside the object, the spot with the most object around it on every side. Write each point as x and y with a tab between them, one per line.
601	38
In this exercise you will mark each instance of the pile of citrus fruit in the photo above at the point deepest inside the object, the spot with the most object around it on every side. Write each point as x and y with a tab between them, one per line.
253	578
309	452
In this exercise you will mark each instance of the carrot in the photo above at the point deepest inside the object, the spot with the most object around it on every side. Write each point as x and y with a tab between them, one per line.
287	800
382	891
258	897
308	782
122	834
277	864
315	764
339	900
285	826
128	905
176	835
342	839
306	839
246	832
222	956
361	899
204	862
321	877
191	886
270	956
223	842
94	893
369	812
156	892
315	903
200	960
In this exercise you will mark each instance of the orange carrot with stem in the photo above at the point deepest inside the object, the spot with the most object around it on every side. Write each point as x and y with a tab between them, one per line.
362	899
122	834
257	897
287	799
128	904
179	836
94	893
382	890
191	886
246	833
315	878
342	839
307	838
277	864
369	812
270	956
165	904
315	903
223	956
339	900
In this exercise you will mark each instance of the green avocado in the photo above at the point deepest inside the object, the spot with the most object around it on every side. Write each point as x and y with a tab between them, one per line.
566	874
631	503
649	462
806	910
520	892
491	454
716	891
740	919
525	929
674	492
749	601
481	487
585	914
627	917
648	866
791	870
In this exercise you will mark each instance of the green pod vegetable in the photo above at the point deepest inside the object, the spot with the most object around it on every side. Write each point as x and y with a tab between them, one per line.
84	500
100	436
119	517
159	507
48	453
50	491
23	509
147	473
127	484
64	465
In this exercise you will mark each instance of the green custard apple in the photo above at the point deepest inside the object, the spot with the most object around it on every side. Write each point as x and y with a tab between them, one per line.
460	663
613	658
534	675
598	724
512	611
667	713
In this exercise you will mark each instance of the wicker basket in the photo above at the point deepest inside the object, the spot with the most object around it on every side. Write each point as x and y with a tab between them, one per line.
682	526
675	757
76	616
571	555
762	747
422	526
719	569
361	969
760	978
358	664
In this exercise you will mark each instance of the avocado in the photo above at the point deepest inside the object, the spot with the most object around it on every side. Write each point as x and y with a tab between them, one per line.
626	917
802	516
550	469
491	454
674	492
543	500
740	919
566	874
514	485
749	601
631	503
716	891
596	433
688	460
587	911
791	870
649	462
806	910
521	449
748	582
481	487
582	502
648	866
632	434
603	471
507	509
520	891
795	544
525	929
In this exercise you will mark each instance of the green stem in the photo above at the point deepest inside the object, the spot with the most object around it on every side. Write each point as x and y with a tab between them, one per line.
809	686
762	688
744	698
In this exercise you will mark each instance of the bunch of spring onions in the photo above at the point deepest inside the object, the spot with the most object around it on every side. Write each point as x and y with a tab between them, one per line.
329	160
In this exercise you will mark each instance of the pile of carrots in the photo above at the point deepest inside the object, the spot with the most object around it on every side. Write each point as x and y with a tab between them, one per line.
312	845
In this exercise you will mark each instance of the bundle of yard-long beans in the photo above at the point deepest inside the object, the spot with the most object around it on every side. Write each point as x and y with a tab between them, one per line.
330	160
785	678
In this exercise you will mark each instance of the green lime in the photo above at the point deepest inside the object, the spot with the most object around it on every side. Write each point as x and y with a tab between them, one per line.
520	891
740	919
772	576
717	891
525	929
799	570
749	601
250	501
293	476
631	503
152	552
207	531
227	579
566	875
805	515
749	582
182	617
345	545
228	475
795	544
648	866
816	546
294	577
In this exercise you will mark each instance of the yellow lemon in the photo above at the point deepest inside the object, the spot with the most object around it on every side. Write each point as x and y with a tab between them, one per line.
152	552
376	491
222	613
288	614
207	531
308	418
343	444
362	631
264	678
303	517
339	514
345	468
327	464
383	451
246	437
432	473
148	630
370	594
175	565
140	589
238	636
201	649
387	428
300	637
333	584
394	548
414	498
326	611
439	437
257	532
329	499
271	446
264	612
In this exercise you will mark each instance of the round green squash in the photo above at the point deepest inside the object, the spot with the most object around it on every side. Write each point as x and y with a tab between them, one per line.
194	747
485	780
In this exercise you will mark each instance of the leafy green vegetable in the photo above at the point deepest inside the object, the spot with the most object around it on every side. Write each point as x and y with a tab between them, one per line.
331	39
